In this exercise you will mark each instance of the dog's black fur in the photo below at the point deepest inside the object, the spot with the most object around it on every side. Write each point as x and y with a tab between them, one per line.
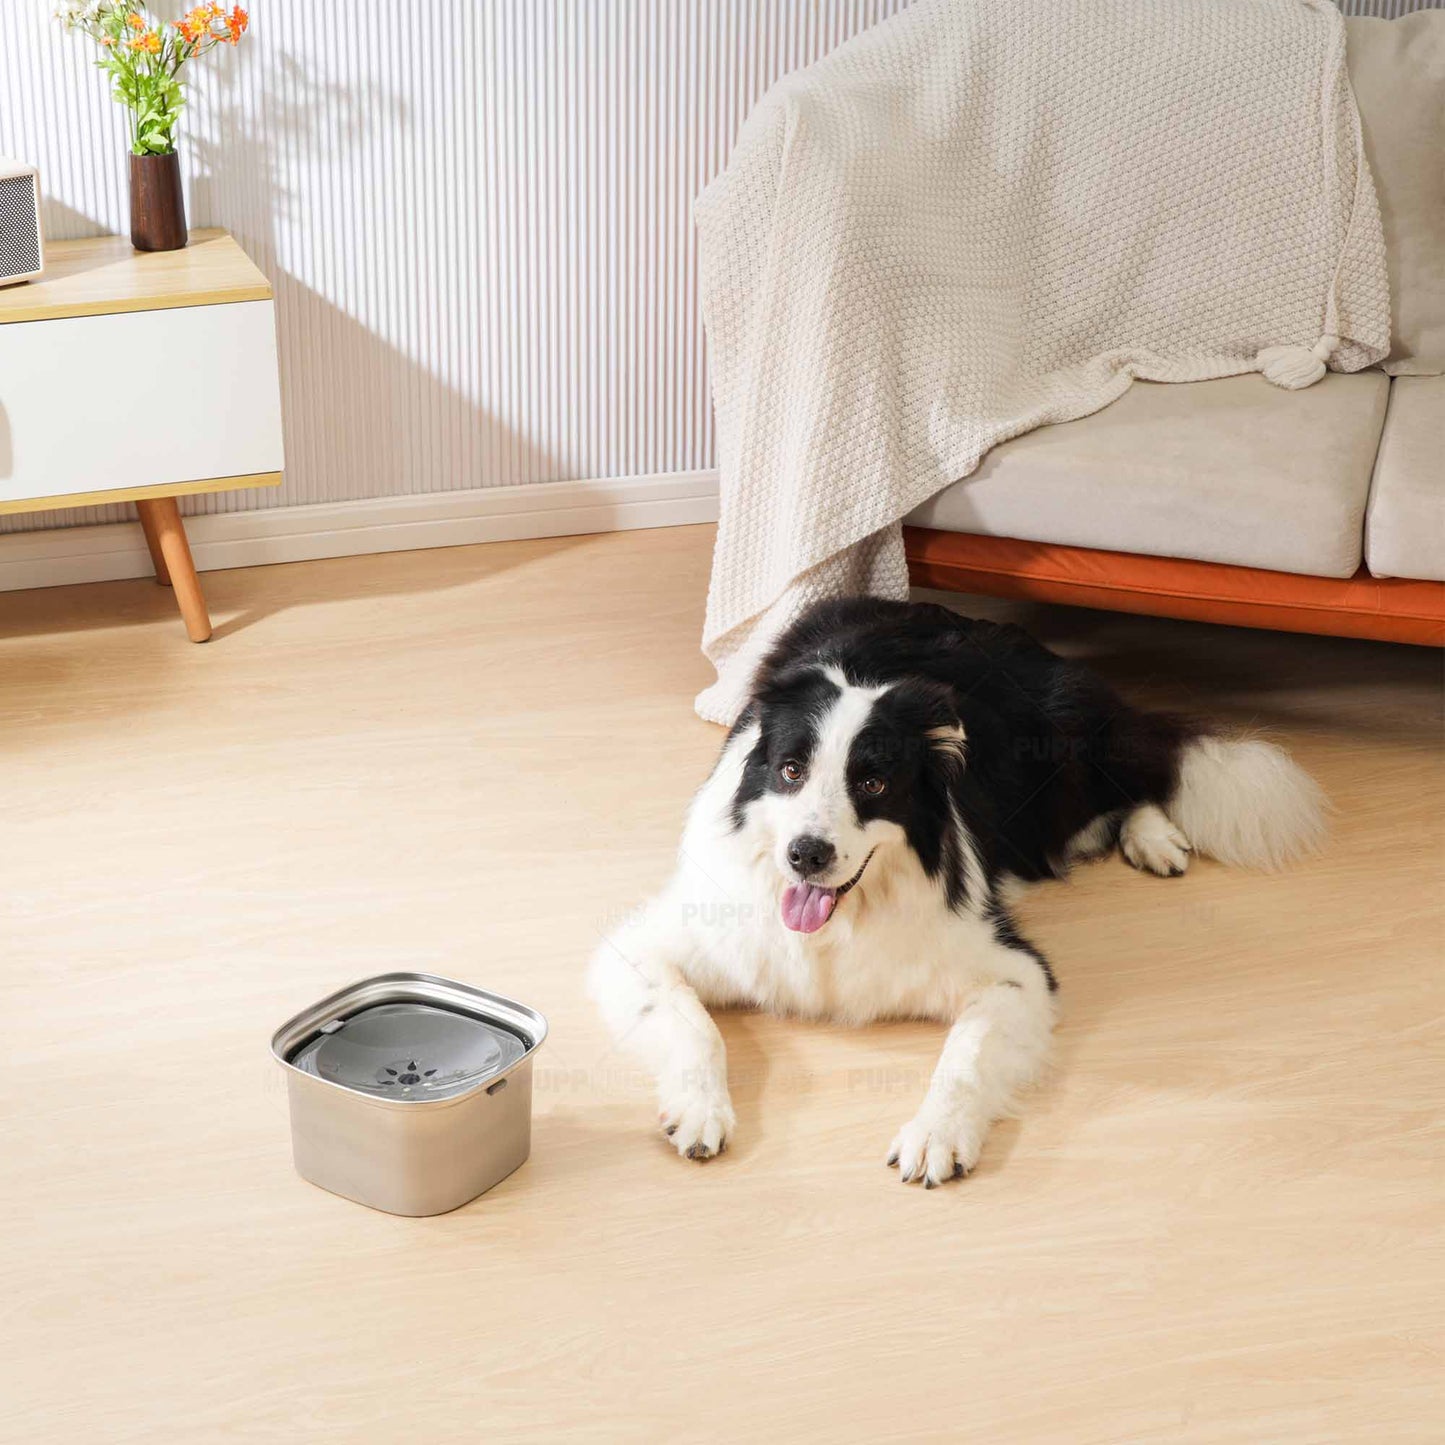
1050	749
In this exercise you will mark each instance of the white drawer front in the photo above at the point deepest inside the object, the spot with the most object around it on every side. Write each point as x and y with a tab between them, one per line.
90	403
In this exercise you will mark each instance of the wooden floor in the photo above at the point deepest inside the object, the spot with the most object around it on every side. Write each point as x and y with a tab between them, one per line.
1221	1218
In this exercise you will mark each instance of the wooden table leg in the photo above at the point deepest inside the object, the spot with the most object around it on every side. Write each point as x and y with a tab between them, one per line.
153	541
160	516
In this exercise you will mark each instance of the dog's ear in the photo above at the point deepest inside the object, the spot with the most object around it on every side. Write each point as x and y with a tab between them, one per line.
949	741
929	711
777	684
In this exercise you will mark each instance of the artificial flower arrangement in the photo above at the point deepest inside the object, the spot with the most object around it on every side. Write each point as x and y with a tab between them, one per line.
145	59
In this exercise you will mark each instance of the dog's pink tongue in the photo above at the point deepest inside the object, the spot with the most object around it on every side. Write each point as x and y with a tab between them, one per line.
806	907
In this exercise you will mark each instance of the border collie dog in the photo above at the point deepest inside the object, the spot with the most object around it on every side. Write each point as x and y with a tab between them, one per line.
898	769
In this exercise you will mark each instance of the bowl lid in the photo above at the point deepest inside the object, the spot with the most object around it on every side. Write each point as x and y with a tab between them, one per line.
408	1052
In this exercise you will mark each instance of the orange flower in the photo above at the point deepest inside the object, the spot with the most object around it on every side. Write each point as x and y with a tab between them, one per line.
135	21
196	24
150	42
210	24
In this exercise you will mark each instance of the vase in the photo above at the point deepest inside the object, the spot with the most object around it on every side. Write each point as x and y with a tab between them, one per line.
157	207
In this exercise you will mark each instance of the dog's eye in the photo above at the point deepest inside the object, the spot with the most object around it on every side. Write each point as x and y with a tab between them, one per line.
874	787
791	771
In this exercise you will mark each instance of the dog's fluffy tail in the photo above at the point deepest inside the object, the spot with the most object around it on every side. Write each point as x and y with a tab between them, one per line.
1246	802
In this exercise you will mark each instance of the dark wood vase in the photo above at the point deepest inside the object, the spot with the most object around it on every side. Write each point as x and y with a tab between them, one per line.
157	207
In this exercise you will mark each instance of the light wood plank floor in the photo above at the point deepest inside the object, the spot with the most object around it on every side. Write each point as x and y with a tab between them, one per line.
1220	1219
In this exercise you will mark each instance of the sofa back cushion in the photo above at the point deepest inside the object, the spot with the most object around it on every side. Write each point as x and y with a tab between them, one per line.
1397	68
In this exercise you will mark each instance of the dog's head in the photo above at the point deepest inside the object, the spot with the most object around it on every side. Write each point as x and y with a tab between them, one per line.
843	774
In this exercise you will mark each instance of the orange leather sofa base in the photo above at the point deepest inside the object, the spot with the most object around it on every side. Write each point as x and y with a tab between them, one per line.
1386	609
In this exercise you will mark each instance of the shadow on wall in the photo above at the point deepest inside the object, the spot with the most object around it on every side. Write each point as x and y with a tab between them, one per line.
349	393
371	412
58	219
354	404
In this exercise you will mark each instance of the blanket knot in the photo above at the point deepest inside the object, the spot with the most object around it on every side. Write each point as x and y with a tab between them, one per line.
1296	367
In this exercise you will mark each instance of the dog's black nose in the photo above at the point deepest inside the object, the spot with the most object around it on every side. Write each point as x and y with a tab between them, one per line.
810	854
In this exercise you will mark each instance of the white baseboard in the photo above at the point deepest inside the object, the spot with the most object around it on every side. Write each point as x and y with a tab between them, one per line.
378	524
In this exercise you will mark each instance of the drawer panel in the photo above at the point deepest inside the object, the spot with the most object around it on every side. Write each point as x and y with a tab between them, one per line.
142	399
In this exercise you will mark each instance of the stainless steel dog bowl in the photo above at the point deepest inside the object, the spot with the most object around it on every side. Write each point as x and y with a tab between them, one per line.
410	1093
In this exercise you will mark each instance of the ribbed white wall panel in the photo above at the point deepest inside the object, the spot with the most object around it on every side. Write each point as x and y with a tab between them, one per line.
1387	9
476	217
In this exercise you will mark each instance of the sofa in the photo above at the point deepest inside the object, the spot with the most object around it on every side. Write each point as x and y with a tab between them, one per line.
1320	510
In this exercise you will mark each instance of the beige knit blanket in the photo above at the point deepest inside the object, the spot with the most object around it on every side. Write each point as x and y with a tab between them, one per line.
986	215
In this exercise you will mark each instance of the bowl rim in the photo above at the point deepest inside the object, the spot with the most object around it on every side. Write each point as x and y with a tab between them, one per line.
407	986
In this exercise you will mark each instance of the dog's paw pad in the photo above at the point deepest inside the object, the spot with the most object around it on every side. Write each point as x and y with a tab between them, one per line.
1150	842
697	1122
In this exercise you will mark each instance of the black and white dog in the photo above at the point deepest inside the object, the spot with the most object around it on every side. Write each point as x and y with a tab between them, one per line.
897	770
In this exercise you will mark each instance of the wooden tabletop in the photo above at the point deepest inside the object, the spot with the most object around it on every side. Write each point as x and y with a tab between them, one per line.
107	274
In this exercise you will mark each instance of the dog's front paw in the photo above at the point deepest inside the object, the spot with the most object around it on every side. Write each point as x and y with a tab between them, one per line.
698	1119
936	1146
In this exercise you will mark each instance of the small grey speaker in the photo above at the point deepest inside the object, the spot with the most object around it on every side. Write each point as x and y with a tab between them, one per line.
20	251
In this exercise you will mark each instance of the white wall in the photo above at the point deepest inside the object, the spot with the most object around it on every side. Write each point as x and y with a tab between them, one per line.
476	218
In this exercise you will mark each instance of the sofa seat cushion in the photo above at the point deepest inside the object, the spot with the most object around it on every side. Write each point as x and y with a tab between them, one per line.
1234	470
1405	522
